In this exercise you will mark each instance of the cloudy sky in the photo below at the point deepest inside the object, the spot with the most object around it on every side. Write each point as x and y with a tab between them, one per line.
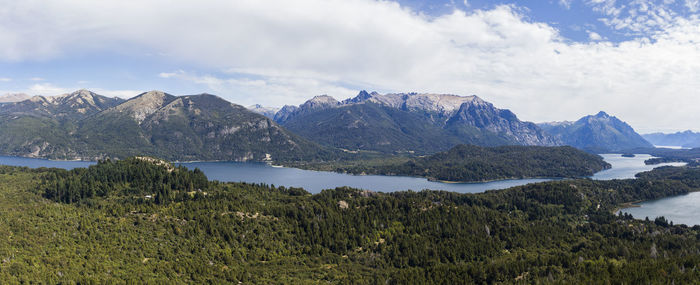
546	60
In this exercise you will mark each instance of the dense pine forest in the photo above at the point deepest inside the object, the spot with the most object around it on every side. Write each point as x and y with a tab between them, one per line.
142	220
470	163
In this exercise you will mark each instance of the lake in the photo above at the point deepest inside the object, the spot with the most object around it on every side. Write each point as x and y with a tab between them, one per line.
683	209
627	167
315	181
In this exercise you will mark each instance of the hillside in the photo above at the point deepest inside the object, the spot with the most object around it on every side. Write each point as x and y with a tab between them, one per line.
143	221
84	125
597	133
416	123
468	163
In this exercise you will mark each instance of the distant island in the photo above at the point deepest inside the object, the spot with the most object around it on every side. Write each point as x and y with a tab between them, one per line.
628	155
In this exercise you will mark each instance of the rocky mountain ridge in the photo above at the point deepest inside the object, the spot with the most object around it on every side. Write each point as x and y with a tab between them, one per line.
88	126
597	133
434	121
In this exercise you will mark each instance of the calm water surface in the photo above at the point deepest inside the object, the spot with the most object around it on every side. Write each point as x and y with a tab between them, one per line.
315	181
627	167
683	209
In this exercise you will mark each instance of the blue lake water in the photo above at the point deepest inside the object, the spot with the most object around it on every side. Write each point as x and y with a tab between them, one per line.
627	167
315	181
683	209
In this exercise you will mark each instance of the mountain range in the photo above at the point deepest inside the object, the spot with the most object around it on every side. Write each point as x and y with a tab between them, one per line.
408	122
89	126
687	139
13	97
428	123
85	125
597	133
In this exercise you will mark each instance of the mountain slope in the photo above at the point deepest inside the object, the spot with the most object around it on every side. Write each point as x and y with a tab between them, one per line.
371	127
597	133
45	126
421	123
196	127
684	139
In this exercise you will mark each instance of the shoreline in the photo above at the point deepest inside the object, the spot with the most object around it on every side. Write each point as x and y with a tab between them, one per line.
301	167
636	204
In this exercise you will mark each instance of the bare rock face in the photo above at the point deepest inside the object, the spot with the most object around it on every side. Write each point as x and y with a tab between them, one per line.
144	104
316	103
443	104
285	113
484	115
320	102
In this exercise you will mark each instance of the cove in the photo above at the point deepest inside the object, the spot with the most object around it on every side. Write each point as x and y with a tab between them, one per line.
683	209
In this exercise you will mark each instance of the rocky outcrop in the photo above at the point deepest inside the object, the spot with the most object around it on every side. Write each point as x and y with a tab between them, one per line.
317	103
144	104
483	115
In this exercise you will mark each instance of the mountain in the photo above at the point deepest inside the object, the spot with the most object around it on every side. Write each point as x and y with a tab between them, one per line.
315	104
76	105
408	122
265	111
687	138
88	126
45	126
597	133
14	97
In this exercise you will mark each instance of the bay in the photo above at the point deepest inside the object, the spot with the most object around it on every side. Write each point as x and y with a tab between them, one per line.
683	209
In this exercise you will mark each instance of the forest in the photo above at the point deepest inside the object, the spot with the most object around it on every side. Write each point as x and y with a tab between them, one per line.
470	163
106	224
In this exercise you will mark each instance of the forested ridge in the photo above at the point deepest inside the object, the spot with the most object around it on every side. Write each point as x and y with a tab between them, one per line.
470	163
212	232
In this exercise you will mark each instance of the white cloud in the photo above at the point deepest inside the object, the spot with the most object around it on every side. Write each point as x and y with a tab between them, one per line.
170	74
281	52
273	90
47	89
5	79
565	3
593	36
